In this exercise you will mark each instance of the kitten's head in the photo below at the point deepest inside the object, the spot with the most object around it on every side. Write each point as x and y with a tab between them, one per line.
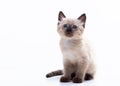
71	28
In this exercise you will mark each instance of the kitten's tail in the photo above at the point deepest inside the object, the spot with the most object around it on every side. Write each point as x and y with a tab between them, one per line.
54	73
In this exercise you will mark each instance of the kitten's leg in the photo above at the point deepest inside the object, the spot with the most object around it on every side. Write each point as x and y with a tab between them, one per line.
67	72
90	71
81	71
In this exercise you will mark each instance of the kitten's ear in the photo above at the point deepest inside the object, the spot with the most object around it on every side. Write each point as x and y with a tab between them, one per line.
82	18
61	16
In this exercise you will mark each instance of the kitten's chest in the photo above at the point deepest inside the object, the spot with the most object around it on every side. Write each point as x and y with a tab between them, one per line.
71	49
69	46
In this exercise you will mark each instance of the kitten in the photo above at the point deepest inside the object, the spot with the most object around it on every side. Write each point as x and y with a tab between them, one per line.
77	57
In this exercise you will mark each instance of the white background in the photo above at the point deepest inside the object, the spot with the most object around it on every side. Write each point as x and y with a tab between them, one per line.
29	42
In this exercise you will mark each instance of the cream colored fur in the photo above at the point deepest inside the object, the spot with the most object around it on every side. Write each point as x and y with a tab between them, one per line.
77	56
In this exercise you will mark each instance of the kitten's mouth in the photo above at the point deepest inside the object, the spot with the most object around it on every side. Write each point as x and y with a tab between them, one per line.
69	34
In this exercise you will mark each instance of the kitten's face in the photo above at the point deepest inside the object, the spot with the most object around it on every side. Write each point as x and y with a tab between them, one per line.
71	28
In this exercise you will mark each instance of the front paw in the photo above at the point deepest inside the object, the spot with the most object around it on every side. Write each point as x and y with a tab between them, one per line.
77	80
64	79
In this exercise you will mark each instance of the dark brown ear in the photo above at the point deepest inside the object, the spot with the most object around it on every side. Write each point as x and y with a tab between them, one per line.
61	16
82	18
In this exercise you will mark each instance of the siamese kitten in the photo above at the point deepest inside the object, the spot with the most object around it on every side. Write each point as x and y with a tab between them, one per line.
77	57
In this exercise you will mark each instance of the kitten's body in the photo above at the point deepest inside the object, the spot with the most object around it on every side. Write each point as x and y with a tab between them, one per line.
77	57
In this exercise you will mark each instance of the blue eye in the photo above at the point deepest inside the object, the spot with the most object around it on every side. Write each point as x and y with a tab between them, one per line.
65	26
74	27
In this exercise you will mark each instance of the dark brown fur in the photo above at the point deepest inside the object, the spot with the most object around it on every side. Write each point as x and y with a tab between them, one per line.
54	73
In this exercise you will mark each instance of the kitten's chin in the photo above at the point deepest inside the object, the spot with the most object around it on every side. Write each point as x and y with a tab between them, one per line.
65	37
70	37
